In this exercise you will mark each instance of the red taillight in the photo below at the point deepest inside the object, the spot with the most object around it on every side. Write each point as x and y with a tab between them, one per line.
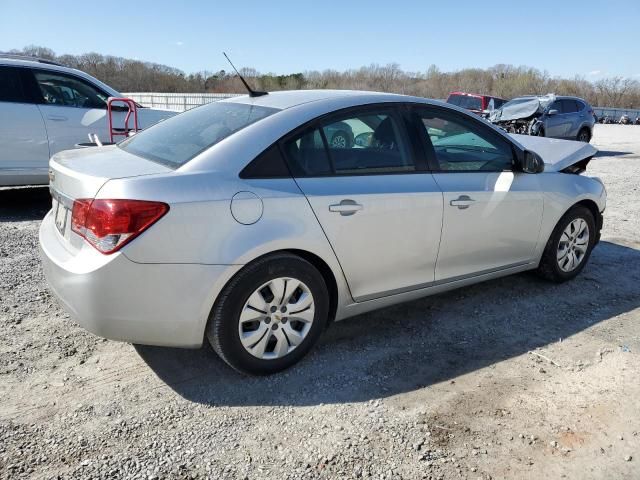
110	224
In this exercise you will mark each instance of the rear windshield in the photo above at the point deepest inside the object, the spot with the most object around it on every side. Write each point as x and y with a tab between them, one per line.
465	101
175	141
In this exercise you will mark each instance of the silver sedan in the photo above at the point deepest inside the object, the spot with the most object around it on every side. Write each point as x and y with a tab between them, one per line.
241	222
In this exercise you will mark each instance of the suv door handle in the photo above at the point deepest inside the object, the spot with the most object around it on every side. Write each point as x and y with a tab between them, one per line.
346	207
462	202
57	118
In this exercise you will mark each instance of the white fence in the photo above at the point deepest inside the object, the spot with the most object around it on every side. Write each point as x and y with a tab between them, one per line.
178	102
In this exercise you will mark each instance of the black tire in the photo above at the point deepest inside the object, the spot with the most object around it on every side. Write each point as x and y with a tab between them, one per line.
341	139
584	135
541	132
222	328
549	268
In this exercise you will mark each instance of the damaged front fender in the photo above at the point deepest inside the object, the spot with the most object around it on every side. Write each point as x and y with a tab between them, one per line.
559	155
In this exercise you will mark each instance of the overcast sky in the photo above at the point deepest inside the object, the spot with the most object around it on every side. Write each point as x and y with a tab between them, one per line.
565	37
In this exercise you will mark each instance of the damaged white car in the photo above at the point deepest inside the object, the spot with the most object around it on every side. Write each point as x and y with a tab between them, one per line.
242	223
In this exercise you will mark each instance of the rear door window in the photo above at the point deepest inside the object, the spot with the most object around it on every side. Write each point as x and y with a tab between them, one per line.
307	154
11	88
372	142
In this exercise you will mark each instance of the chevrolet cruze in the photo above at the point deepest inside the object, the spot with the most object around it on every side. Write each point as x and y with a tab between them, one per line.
242	223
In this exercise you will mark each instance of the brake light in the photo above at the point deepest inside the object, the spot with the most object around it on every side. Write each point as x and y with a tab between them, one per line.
108	225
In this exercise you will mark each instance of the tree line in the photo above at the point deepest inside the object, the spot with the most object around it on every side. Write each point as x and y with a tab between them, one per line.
506	81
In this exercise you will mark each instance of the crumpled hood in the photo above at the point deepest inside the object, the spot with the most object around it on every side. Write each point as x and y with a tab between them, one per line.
557	154
522	108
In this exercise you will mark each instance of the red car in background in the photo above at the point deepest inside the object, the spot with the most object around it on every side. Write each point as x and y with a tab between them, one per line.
475	102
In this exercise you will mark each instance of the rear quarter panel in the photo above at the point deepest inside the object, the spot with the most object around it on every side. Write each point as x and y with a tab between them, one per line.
200	227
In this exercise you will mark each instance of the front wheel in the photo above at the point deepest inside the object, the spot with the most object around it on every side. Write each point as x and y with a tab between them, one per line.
584	136
569	246
269	315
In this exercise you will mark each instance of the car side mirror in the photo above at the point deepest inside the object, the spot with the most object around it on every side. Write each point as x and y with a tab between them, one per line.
552	112
363	140
532	162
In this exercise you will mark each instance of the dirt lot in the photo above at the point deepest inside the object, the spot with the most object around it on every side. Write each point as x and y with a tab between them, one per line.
445	387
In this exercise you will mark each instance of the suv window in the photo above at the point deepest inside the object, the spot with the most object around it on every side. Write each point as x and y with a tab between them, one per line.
465	101
460	146
366	143
68	91
557	105
569	106
11	85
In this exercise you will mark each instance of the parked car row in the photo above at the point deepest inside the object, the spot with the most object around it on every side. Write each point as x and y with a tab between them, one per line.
565	117
623	120
47	108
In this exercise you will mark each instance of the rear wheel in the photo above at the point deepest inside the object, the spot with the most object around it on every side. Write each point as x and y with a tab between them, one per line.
569	246
584	135
269	315
340	139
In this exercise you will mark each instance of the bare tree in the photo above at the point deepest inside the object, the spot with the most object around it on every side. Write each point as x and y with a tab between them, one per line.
505	81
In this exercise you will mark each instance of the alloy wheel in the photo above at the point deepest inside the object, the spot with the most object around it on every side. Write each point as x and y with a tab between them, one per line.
573	245
276	318
339	141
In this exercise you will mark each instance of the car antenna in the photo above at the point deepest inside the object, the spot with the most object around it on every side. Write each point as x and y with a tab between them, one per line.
252	92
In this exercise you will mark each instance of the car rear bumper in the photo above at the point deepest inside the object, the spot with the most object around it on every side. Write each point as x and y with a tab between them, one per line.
115	298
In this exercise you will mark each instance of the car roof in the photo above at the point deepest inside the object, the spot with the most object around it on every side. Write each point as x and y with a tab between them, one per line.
477	95
54	67
296	108
557	97
286	99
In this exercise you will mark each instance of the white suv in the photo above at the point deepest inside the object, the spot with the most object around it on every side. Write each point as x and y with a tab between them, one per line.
45	108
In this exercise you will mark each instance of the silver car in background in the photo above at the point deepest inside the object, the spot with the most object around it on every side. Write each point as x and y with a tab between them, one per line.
241	223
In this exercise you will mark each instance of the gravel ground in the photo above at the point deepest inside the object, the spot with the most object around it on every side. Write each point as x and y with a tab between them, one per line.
514	378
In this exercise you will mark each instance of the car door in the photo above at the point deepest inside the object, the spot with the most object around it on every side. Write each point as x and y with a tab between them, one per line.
575	117
380	210
72	108
492	213
559	124
24	155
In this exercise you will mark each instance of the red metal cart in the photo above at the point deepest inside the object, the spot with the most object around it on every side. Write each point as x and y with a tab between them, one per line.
132	108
